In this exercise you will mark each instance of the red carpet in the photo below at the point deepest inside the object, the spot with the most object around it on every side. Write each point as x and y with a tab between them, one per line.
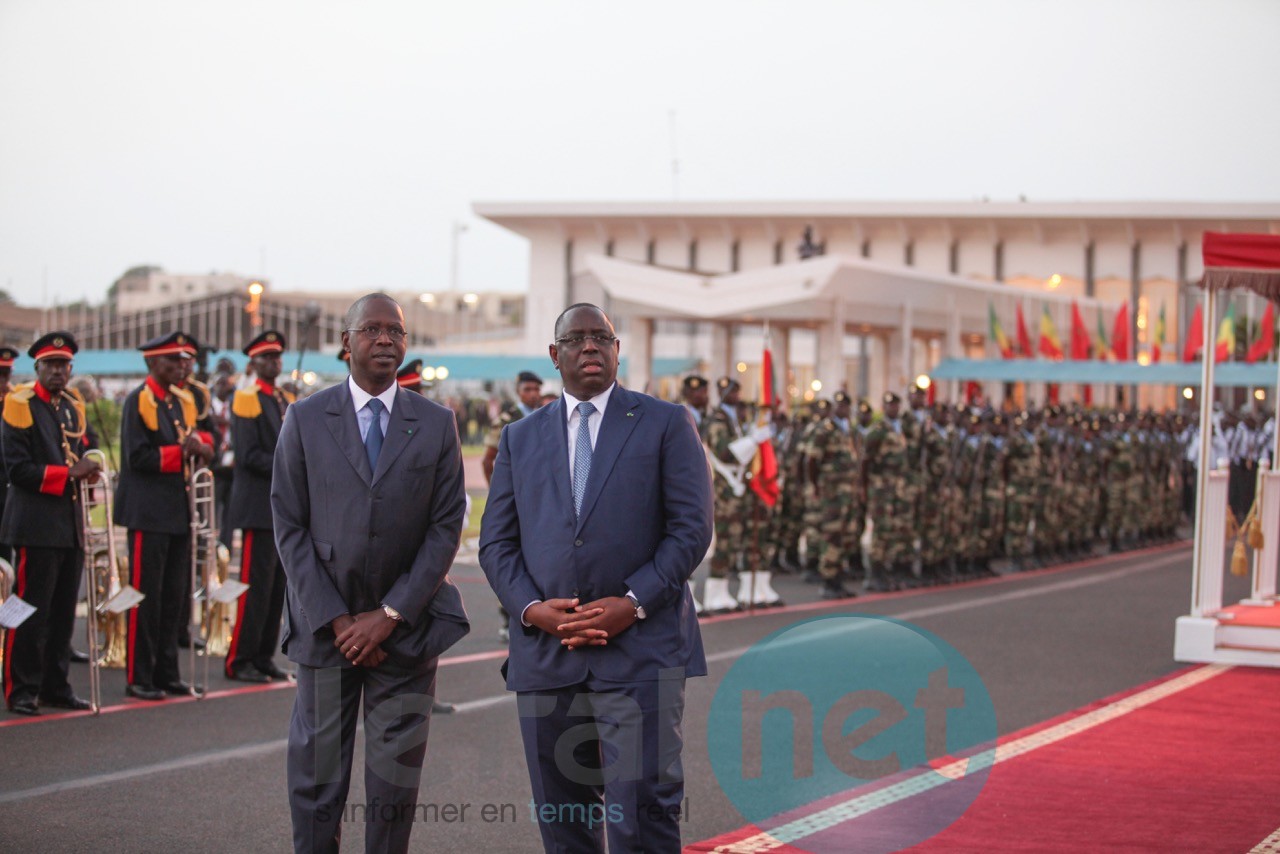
1262	616
1190	763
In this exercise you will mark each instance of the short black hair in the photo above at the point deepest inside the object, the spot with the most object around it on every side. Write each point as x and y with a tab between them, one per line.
357	307
575	307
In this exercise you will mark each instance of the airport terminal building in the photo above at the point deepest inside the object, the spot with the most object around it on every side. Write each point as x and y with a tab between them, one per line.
861	295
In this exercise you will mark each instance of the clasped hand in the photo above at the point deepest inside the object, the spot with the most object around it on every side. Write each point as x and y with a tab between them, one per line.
360	638
578	625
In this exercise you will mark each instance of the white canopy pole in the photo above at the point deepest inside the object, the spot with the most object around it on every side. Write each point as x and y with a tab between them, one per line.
1206	448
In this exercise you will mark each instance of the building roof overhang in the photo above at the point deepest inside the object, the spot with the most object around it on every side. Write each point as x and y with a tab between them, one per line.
807	292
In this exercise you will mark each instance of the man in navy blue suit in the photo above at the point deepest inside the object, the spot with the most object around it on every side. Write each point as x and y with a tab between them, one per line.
598	512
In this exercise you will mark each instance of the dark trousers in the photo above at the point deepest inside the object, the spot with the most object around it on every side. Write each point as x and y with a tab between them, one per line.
36	654
222	501
257	632
604	760
160	567
322	731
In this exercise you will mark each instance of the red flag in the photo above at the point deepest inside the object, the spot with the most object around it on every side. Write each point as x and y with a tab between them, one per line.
764	468
1120	334
1266	335
1081	346
1195	336
1024	339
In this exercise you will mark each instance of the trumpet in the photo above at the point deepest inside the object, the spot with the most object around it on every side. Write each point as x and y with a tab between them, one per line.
204	568
6	587
105	629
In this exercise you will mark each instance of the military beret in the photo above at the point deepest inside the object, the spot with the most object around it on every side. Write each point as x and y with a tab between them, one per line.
842	397
528	377
54	345
270	341
727	384
890	397
864	405
7	355
694	382
173	344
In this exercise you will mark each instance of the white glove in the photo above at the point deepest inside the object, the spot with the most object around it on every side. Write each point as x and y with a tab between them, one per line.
744	449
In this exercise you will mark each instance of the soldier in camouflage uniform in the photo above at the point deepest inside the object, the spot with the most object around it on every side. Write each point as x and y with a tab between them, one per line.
991	511
810	507
720	428
528	398
693	395
1022	473
888	499
830	465
858	433
1120	472
788	515
970	462
936	504
737	508
1051	488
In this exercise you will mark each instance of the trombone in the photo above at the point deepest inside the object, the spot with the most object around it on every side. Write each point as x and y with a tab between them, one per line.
204	567
102	576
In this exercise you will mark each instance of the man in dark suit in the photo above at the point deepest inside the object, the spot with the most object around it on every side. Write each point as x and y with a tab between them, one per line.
367	499
257	414
159	446
599	511
42	435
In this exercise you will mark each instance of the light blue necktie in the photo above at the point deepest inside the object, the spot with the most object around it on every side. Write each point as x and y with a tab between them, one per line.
582	455
373	438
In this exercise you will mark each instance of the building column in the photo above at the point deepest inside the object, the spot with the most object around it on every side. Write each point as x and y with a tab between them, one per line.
780	346
830	366
639	353
953	349
721	357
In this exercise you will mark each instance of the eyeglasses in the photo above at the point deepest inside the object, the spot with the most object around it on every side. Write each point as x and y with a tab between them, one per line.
573	342
373	333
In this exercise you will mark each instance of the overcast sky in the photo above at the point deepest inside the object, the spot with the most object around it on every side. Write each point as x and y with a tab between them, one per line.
330	145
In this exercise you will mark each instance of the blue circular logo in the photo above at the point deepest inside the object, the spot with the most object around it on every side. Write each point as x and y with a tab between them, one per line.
852	732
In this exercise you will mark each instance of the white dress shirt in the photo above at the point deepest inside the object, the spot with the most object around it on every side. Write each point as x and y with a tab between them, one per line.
600	401
364	416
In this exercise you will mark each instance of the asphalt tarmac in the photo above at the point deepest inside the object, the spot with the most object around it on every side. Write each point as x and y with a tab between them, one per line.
209	775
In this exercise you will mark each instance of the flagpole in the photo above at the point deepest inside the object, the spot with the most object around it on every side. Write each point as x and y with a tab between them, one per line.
1206	448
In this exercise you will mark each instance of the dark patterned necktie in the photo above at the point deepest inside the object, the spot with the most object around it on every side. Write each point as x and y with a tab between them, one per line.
582	455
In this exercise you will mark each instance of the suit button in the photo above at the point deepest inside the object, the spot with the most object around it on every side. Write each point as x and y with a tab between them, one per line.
577	542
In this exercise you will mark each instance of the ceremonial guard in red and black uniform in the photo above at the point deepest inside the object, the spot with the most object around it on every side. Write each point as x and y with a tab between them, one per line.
43	439
257	414
208	432
159	447
7	357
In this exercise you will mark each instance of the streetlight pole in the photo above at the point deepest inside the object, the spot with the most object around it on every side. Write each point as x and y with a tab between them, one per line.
458	228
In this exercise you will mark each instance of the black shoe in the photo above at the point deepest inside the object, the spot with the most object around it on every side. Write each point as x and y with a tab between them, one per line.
812	576
179	689
836	590
248	673
144	693
71	701
271	670
24	707
185	643
439	708
79	657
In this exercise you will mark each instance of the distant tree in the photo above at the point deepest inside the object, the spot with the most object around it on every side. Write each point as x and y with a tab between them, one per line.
6	298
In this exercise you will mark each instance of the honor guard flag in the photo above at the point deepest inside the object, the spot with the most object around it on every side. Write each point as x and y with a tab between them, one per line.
1050	346
1195	336
764	467
1261	347
1225	345
1080	343
1024	338
997	333
1157	340
1100	346
1120	334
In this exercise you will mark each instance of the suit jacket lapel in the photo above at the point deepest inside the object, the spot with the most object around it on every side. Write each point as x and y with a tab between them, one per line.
620	418
346	432
555	440
401	429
